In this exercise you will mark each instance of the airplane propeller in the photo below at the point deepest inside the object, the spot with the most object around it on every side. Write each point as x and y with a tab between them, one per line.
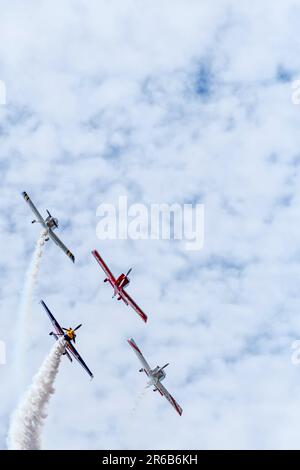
74	329
128	272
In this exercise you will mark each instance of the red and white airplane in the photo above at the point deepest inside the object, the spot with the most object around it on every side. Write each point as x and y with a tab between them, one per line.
155	375
119	284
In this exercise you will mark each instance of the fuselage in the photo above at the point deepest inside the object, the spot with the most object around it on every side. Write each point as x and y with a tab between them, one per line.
158	374
121	283
70	335
155	375
51	222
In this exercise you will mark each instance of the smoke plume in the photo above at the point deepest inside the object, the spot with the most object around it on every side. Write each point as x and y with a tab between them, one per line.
26	425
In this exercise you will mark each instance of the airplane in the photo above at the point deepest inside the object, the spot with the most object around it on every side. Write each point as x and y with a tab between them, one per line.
155	375
69	335
119	285
50	224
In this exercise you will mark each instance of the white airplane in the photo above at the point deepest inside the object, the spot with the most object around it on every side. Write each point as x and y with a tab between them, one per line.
50	224
155	375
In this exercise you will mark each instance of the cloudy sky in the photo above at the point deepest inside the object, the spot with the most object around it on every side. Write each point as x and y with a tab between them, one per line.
164	102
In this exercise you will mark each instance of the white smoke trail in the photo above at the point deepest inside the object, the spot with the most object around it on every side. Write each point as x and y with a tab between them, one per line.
138	401
25	310
134	422
27	421
31	279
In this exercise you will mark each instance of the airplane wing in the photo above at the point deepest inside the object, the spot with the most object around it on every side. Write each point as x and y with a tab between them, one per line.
78	358
132	303
139	355
104	266
169	397
61	245
34	209
54	322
